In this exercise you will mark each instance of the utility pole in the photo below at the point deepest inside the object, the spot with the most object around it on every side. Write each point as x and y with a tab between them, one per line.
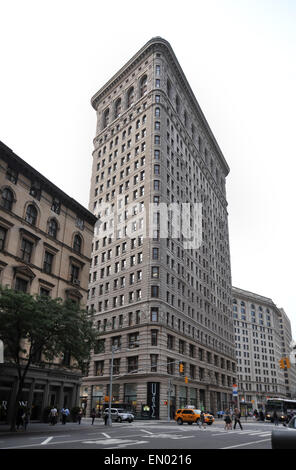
169	400
110	388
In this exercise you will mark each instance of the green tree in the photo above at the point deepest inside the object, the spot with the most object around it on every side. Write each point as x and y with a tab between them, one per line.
39	327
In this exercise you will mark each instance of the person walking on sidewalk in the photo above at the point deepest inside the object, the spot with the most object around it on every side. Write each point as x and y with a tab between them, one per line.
79	416
53	415
93	415
237	417
26	418
203	420
228	421
275	418
65	412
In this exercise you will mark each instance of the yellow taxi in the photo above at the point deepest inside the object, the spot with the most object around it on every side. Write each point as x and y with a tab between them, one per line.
187	415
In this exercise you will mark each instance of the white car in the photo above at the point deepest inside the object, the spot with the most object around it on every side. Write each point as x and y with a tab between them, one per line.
119	415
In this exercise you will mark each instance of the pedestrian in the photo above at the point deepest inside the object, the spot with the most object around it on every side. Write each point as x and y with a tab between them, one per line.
237	417
228	421
203	420
106	418
65	413
53	415
79	416
262	417
275	418
93	415
26	418
19	418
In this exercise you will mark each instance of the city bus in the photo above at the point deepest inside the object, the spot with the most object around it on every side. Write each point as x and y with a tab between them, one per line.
283	407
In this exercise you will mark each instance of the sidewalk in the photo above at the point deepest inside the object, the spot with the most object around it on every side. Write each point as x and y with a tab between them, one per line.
37	427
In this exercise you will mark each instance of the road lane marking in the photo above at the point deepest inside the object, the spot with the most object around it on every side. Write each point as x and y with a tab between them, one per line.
246	444
144	430
106	435
46	441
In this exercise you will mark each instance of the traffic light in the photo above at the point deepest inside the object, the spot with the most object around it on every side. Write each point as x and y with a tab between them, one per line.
287	361
181	367
186	380
165	402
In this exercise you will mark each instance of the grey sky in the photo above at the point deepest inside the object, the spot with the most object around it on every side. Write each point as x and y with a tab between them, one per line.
239	58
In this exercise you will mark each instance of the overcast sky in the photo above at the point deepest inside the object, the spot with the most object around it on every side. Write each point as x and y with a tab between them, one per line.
239	57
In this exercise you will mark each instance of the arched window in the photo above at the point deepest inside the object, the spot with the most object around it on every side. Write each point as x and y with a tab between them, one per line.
143	85
117	108
106	118
77	244
7	199
53	228
130	97
31	215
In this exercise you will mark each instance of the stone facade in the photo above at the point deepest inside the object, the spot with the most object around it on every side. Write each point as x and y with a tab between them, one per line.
159	303
258	348
45	247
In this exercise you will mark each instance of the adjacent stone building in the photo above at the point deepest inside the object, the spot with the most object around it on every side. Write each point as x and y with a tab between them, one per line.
162	307
258	342
45	248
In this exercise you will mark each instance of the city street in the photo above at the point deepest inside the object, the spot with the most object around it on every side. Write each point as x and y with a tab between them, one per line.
139	435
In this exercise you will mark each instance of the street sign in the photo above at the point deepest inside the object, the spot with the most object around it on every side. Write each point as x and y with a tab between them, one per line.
234	390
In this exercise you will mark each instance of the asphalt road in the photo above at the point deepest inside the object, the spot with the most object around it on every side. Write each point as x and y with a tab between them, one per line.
139	435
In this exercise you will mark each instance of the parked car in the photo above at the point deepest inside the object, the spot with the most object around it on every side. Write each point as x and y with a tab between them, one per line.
119	415
285	439
186	415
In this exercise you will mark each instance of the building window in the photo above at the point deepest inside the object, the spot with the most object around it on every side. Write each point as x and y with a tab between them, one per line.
52	228
75	274
117	108
31	215
154	314
155	291
155	253
26	250
143	86
133	340
106	118
156	185
21	285
56	205
7	199
132	364
35	190
44	292
47	264
79	223
130	97
3	232
12	175
177	104
153	358
169	89
155	272
154	337
77	244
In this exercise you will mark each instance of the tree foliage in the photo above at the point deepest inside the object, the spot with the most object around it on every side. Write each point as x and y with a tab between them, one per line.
39	328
